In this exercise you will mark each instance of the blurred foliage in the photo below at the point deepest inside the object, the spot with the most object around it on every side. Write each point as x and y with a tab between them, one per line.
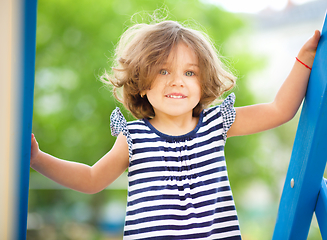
75	44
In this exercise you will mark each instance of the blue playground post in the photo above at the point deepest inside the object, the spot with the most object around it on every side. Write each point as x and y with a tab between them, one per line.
308	160
321	209
17	64
17	68
28	42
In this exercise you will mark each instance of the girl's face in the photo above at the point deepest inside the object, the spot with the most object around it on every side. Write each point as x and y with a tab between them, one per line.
176	89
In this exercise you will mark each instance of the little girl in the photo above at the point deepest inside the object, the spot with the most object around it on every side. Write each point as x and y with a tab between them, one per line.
178	184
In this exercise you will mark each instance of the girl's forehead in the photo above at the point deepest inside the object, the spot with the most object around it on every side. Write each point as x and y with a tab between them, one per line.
182	53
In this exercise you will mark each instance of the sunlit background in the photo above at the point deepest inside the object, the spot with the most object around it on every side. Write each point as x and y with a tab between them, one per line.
255	6
75	42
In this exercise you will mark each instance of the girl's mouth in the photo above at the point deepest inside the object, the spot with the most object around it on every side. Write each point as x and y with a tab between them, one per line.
176	96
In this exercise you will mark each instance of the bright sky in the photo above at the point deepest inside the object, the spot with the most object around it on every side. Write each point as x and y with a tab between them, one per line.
252	6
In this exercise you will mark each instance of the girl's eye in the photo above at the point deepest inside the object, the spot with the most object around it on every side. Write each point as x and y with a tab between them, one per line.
163	72
189	74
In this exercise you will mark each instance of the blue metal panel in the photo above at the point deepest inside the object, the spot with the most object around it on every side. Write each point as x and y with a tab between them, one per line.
308	158
29	10
321	210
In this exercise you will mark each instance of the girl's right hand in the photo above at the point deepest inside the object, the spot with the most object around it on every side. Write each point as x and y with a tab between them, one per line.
34	150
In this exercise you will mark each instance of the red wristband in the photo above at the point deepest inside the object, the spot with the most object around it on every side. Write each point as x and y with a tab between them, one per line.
303	63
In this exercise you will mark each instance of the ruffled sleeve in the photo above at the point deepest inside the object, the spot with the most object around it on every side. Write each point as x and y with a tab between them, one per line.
228	113
118	124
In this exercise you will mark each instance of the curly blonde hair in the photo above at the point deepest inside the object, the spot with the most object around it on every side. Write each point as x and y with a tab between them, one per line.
144	48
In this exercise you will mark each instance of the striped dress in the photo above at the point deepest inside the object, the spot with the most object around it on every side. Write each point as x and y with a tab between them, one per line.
178	186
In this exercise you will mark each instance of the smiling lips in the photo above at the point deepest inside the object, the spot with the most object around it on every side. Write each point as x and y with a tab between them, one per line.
176	95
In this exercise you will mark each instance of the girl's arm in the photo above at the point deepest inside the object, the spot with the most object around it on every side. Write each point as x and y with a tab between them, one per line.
79	176
257	118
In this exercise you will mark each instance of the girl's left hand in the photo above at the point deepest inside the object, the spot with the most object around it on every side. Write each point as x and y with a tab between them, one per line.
308	51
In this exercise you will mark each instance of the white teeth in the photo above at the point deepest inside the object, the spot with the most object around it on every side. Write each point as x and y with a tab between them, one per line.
174	96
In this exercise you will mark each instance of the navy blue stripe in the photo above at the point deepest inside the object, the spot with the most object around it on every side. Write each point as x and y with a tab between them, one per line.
206	152
173	196
211	171
140	131
169	168
145	160
146	149
191	236
232	238
175	159
211	129
210	161
173	227
147	140
209	110
213	117
179	188
187	206
144	180
185	217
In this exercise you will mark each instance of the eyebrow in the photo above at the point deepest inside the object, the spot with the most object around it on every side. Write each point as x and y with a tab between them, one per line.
192	64
189	64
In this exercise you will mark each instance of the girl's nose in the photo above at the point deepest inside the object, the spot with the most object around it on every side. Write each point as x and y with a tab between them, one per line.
177	80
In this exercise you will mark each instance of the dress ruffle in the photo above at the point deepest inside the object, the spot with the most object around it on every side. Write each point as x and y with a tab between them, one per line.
228	112
118	124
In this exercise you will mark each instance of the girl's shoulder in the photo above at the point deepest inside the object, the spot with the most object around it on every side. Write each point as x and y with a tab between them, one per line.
118	122
224	111
225	106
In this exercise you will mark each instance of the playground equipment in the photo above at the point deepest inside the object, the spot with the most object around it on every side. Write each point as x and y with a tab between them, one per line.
305	190
17	64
